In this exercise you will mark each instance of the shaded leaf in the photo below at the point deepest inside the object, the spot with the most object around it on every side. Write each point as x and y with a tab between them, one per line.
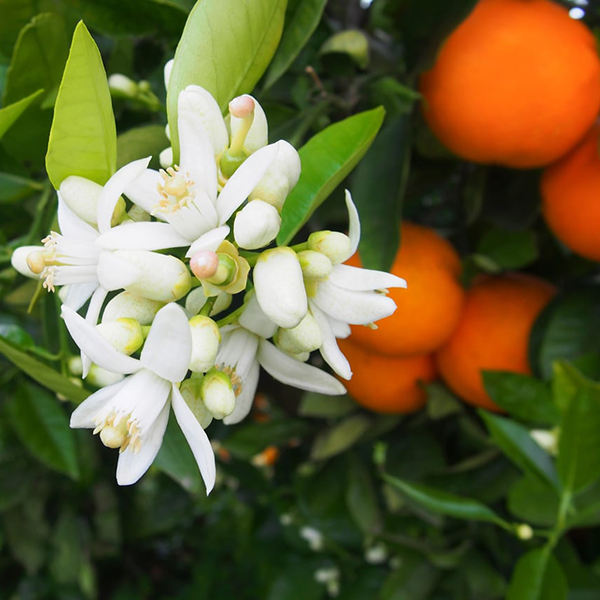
14	188
537	576
319	405
360	496
509	249
9	114
340	437
148	140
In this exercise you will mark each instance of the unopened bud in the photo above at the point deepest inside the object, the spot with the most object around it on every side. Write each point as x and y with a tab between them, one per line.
125	335
204	264
190	390
314	538
205	343
131	306
305	337
315	266
102	377
524	532
256	225
333	244
166	158
81	196
20	260
122	86
75	365
217	393
547	439
375	555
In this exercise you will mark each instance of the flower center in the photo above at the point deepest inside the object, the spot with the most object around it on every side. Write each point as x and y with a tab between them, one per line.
176	190
119	431
236	381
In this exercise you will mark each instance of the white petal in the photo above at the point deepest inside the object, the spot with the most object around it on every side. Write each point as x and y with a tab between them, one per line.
357	308
288	370
114	272
339	328
91	317
113	189
131	465
258	135
168	347
78	294
238	350
167	72
254	319
209	241
354	225
244	180
355	278
141	236
330	351
84	415
95	346
71	226
143	191
243	403
196	438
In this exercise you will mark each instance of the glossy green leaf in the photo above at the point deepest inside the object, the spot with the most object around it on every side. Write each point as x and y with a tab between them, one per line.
517	444
9	114
41	373
537	576
326	160
148	140
225	48
352	42
509	249
38	58
14	188
299	26
522	396
83	139
533	501
378	189
361	497
439	501
43	427
319	405
579	441
340	437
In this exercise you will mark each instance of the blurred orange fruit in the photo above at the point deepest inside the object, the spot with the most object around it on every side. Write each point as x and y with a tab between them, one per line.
571	197
493	333
428	310
387	384
516	84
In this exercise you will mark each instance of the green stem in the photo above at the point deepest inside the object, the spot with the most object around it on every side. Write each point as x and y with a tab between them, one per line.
559	528
34	232
205	311
300	247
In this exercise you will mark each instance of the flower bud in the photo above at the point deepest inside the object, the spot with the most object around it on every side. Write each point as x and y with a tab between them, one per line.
256	225
280	288
217	393
524	532
75	365
102	378
547	439
315	266
280	177
190	390
333	244
196	299
166	158
205	343
81	196
122	87
131	306
305	337
125	335
167	71
21	261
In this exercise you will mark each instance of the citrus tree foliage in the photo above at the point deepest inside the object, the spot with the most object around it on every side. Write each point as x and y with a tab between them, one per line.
315	496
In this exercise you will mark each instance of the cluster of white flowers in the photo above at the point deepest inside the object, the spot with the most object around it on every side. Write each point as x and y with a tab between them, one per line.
159	306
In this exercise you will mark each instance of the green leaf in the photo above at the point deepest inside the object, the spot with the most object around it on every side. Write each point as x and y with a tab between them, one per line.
414	579
509	249
378	186
83	138
43	374
319	405
225	48
579	441
148	140
9	114
537	576
352	42
14	188
522	396
361	497
299	26
176	459
439	501
43	428
38	58
518	445
339	438
533	501
326	160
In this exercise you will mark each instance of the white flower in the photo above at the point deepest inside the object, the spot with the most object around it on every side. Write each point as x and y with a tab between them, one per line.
186	195
244	347
256	225
132	415
346	295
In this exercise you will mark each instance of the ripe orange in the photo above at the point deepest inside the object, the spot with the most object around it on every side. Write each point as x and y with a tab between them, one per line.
493	333
571	197
516	84
387	384
428	310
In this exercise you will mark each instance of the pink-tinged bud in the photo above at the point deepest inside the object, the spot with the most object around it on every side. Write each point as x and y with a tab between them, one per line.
242	107
204	264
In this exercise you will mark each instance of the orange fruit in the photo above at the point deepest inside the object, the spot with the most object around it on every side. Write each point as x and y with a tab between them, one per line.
387	384
428	310
493	333
517	84
571	197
